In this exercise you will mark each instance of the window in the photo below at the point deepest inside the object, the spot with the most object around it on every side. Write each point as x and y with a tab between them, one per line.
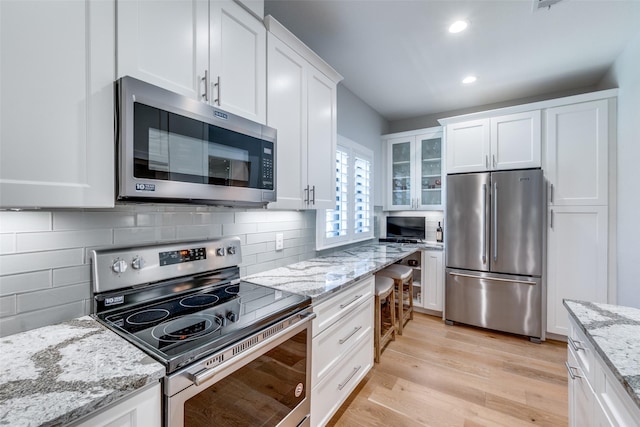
351	220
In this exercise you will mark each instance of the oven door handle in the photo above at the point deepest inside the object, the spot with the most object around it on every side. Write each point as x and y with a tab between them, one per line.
206	375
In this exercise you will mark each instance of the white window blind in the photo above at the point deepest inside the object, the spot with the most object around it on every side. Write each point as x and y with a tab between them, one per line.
351	220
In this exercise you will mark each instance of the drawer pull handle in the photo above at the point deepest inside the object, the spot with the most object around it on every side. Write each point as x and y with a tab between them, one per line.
344	383
356	298
577	345
345	339
570	369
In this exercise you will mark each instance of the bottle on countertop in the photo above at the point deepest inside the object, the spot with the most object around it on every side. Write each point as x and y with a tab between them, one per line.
439	236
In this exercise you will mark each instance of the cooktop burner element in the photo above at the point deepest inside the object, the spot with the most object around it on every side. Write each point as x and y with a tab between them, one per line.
180	302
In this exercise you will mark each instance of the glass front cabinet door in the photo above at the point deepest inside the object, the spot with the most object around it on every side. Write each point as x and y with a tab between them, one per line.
415	171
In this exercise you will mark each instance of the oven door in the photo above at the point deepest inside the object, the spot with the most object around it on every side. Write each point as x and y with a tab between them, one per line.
268	384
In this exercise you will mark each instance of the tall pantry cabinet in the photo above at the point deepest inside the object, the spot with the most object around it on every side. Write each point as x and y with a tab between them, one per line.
578	139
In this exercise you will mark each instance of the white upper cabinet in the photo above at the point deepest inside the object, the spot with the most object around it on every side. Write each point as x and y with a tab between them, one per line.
515	141
503	142
301	105
468	146
577	153
56	104
414	170
238	80
165	43
213	51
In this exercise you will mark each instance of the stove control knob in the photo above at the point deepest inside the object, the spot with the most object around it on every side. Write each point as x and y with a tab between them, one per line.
138	262
231	250
232	316
220	251
119	266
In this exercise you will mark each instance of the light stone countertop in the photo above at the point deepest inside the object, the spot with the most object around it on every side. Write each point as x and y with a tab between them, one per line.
614	332
322	276
57	374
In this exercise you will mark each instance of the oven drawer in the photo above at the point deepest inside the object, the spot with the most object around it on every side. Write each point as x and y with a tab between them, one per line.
330	311
334	389
330	346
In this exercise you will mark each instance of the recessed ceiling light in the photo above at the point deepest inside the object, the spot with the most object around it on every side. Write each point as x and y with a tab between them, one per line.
469	79
458	26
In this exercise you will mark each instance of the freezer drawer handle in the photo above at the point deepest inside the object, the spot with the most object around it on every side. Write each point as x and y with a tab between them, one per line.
493	279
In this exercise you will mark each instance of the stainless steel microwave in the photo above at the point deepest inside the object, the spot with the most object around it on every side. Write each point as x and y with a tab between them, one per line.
176	149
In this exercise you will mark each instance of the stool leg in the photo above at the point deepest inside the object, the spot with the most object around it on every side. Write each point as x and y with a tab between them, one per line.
392	317
378	329
400	299
411	297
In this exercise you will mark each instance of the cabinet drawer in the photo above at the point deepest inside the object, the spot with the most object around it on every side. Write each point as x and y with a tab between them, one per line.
583	351
334	389
330	311
619	409
330	346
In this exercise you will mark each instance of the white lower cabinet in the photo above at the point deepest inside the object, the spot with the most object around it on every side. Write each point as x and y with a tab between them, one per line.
143	409
432	280
596	397
342	348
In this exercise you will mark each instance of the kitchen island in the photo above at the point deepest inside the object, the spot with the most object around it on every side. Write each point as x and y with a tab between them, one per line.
57	374
604	350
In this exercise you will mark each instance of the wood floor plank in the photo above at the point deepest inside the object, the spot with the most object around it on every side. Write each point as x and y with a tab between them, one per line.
439	376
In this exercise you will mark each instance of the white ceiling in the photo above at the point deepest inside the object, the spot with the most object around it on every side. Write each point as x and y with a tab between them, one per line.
398	57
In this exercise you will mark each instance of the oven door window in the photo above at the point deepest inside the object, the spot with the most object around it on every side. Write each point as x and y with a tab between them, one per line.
171	147
262	393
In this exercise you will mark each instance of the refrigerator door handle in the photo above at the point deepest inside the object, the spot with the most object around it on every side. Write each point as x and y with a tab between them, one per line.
495	221
484	223
494	279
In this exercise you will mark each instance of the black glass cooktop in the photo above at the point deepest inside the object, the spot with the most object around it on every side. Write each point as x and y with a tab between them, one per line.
186	326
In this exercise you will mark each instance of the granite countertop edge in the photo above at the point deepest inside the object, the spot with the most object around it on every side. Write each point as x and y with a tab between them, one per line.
60	374
323	277
611	317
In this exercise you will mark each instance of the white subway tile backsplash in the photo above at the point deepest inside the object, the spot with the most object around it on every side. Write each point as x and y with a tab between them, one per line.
19	222
84	220
45	276
7	306
51	297
71	275
7	243
31	242
26	282
24	263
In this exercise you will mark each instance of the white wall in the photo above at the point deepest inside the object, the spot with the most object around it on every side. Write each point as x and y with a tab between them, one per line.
362	124
45	271
625	74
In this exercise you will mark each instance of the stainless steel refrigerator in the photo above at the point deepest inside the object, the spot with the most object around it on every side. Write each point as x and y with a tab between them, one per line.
494	251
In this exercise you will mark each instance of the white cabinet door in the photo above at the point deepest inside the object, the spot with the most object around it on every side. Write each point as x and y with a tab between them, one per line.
140	410
321	140
165	43
433	280
429	171
577	260
468	146
58	62
287	105
238	61
515	141
576	153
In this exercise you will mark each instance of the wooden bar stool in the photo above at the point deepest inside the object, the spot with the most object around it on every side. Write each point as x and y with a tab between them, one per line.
385	331
403	279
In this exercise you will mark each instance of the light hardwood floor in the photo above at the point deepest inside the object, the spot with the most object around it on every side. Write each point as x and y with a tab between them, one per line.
438	375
